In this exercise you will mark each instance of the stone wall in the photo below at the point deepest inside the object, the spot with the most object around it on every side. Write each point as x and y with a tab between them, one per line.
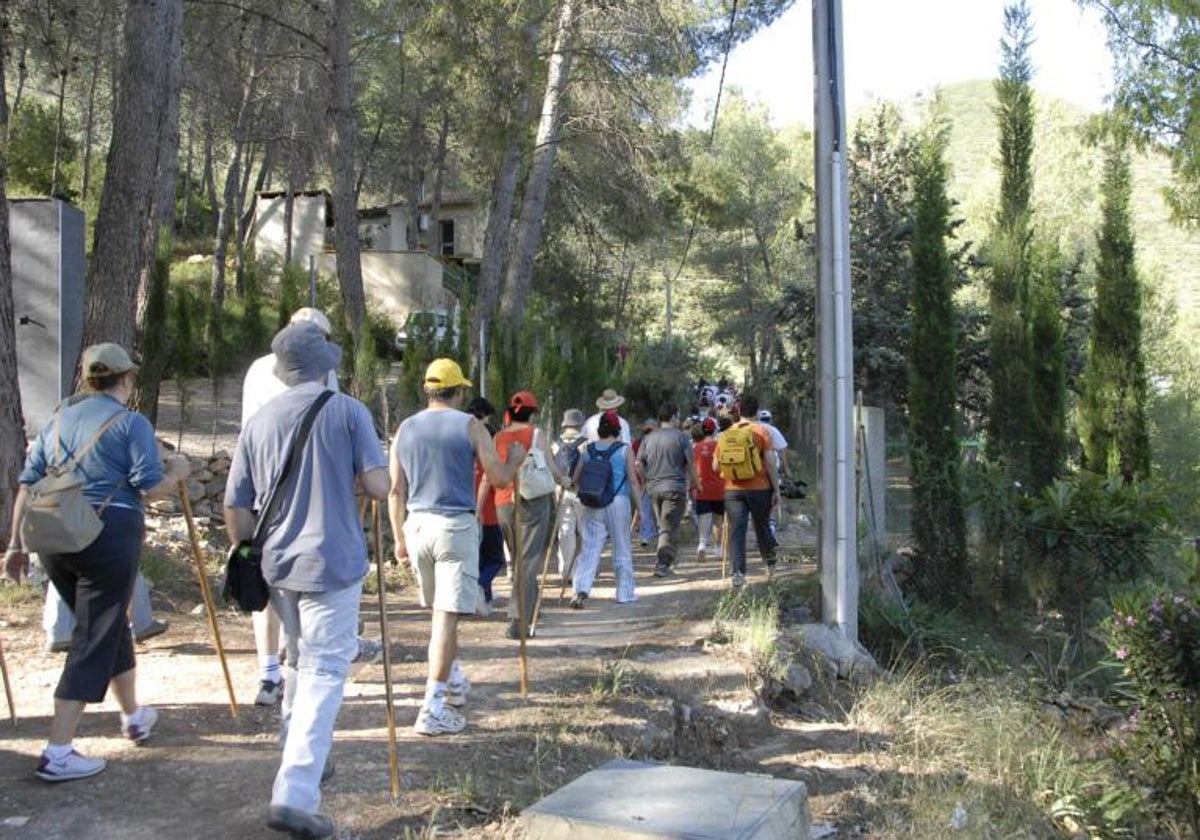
205	487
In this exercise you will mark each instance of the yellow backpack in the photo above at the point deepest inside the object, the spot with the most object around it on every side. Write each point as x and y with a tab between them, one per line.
739	457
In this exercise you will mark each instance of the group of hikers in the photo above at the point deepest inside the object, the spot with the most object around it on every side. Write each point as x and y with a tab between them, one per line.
464	500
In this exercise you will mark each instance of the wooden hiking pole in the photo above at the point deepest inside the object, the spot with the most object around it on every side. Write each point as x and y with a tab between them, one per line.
537	607
206	593
724	545
519	586
12	709
393	757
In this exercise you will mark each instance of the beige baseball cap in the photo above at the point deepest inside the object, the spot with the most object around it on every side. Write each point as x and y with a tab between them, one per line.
308	315
105	359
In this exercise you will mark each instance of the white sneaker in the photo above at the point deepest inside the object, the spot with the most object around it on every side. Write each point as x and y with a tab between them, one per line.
446	723
73	766
701	550
482	608
370	652
739	580
137	729
269	693
457	691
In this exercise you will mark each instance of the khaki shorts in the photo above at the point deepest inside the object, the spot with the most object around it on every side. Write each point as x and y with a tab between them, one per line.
444	550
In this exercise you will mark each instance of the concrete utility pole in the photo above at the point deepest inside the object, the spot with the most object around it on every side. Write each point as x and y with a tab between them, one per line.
837	525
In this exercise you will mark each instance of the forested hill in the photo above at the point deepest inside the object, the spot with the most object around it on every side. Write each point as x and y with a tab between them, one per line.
1066	192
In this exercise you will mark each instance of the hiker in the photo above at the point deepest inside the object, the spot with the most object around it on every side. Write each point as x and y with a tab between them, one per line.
491	538
779	447
533	517
117	456
643	519
314	556
664	463
59	622
432	511
570	514
708	488
259	387
606	511
743	459
609	400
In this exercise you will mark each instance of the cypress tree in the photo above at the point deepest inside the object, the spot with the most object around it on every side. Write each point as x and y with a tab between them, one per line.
1112	408
1048	431
1010	414
938	520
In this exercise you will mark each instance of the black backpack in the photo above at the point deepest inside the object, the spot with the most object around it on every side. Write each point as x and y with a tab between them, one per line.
596	478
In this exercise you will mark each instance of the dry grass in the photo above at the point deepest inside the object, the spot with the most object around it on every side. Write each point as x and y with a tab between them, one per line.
975	755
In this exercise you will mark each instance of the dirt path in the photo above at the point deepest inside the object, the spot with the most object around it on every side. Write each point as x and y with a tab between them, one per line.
630	680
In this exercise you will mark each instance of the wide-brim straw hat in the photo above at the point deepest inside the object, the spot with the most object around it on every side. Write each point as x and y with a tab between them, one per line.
609	399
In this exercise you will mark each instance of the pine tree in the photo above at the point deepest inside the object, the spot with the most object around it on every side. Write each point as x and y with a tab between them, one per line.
938	520
1010	413
1112	408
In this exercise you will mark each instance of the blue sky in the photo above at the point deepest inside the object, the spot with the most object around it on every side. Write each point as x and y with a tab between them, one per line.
896	48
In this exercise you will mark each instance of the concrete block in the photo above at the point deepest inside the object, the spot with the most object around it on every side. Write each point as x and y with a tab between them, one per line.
633	800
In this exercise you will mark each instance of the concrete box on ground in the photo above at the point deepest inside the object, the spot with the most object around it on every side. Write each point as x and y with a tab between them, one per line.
633	800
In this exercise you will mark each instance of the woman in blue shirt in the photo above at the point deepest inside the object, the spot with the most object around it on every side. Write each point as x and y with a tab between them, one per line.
120	463
610	522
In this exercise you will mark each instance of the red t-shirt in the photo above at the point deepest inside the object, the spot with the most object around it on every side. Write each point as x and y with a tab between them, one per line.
712	486
504	439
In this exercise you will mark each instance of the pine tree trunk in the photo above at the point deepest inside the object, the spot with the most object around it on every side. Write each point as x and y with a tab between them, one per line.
89	119
537	185
208	176
12	425
153	283
341	129
439	171
500	207
119	253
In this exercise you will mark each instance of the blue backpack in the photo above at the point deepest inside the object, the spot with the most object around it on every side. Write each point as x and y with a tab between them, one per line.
596	478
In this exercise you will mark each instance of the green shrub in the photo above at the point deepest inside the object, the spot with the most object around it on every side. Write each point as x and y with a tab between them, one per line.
1155	635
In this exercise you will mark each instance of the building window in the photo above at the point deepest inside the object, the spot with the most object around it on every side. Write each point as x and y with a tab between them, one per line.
446	237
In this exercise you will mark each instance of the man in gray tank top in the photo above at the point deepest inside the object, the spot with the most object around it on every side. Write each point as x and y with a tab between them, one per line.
432	510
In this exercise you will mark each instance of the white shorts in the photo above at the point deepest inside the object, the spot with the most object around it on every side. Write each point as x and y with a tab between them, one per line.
444	550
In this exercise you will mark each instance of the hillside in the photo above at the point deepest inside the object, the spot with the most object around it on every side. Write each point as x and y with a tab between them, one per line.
1066	192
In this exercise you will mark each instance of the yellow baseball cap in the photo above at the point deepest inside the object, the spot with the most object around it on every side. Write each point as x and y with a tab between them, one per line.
445	373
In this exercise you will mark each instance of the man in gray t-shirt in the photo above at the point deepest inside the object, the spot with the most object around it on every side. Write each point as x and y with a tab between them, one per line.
665	464
314	555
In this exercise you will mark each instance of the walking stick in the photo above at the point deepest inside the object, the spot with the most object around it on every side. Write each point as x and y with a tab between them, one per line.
206	594
393	757
519	585
724	545
12	709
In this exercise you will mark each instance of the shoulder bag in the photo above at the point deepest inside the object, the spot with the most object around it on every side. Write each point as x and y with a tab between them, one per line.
244	584
535	475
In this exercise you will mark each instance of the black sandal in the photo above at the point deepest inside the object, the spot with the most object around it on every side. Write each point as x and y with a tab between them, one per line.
577	601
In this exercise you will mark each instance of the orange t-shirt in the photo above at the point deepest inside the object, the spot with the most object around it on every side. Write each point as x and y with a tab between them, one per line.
712	486
762	481
487	514
504	439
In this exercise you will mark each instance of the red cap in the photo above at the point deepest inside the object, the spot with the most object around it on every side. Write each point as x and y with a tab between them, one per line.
523	399
709	425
